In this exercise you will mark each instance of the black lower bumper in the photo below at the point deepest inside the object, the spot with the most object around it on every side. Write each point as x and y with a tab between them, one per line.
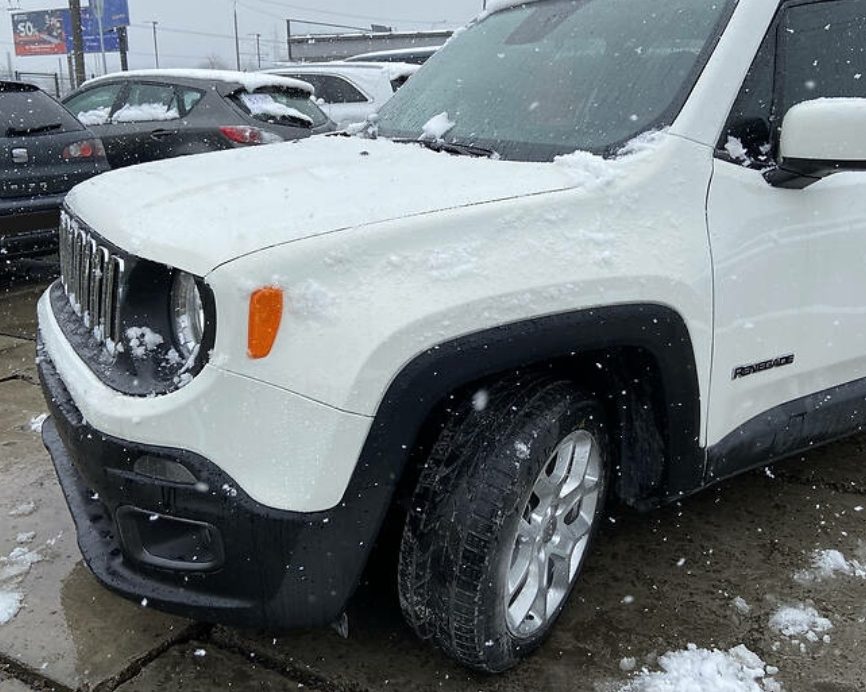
201	549
29	233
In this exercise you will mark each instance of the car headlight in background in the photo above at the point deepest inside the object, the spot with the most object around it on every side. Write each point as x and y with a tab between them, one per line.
188	320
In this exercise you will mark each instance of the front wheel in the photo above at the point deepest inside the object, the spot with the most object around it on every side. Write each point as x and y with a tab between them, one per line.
502	520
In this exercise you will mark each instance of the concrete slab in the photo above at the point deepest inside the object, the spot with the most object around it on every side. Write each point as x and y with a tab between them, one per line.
19	360
7	342
69	629
8	684
18	310
655	583
200	667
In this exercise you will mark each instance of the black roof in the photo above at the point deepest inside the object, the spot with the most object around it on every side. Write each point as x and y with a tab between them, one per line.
6	85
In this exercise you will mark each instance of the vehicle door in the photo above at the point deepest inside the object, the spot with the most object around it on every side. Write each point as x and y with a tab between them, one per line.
93	107
789	265
147	123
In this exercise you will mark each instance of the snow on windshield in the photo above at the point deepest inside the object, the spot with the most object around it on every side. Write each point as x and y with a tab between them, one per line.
437	127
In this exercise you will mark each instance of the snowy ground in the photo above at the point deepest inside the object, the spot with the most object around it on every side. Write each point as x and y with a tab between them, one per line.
757	585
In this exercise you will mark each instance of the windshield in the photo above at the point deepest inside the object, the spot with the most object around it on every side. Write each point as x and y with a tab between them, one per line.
551	77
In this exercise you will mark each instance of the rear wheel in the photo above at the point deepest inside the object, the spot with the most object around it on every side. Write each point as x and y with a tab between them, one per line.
502	519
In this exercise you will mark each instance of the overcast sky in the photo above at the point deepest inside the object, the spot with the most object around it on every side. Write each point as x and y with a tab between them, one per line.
255	16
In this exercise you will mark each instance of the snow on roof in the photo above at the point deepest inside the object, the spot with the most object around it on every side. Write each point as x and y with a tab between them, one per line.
497	5
368	57
394	70
249	80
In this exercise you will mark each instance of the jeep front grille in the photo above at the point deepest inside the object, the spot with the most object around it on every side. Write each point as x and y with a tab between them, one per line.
92	278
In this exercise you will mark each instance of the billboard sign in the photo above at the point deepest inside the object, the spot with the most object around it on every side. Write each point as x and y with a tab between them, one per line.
40	33
90	29
49	32
115	13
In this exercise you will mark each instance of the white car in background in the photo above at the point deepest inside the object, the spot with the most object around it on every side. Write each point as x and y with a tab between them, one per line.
349	92
413	56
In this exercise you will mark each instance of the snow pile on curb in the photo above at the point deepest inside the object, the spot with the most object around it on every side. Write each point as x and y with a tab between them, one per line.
703	670
13	568
10	604
35	424
826	564
800	620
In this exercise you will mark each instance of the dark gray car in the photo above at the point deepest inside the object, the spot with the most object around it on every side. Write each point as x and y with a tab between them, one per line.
156	114
44	153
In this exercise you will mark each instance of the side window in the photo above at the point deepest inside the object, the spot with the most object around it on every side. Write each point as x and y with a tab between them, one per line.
148	102
189	98
332	89
748	134
93	107
813	51
340	91
822	52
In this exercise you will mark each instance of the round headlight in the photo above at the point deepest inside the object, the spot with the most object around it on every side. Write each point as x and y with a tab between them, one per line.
187	314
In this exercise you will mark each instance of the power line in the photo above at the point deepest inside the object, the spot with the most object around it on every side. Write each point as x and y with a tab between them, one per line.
331	13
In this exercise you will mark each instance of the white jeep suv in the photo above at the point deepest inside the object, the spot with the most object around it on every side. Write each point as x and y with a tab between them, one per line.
598	250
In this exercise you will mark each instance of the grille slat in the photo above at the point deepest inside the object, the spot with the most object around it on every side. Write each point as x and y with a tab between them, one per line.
92	277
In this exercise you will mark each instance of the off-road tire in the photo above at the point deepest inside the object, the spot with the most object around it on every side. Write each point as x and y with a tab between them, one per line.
462	523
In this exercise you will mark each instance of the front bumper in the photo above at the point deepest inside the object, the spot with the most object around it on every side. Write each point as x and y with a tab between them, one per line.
230	559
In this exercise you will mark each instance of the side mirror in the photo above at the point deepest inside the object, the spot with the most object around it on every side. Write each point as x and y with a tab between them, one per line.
819	138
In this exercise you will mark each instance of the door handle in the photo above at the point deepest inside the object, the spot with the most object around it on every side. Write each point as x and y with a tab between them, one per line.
162	134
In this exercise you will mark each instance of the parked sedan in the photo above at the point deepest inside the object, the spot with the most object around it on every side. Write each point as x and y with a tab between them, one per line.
147	115
44	153
349	92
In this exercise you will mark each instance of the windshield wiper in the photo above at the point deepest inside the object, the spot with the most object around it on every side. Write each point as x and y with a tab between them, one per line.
24	131
456	148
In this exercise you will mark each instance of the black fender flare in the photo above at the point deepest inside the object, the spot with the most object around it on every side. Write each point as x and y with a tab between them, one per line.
431	376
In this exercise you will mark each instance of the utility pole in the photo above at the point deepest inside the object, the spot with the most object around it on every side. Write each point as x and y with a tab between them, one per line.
123	47
289	37
98	6
155	45
77	41
259	49
237	39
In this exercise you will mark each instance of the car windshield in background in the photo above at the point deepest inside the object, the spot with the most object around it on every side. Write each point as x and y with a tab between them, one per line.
281	107
25	113
548	78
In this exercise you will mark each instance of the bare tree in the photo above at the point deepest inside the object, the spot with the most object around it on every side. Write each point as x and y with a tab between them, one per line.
214	62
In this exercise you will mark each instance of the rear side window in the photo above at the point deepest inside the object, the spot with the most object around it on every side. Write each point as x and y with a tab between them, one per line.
281	107
823	52
93	107
24	113
332	89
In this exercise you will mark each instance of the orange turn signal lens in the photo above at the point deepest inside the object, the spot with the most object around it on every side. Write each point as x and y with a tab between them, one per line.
266	313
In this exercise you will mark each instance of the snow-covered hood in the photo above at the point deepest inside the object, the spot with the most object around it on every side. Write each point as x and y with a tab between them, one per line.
199	212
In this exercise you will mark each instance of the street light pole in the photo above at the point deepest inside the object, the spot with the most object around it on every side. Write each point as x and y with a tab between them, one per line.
259	49
155	45
237	39
98	6
289	38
